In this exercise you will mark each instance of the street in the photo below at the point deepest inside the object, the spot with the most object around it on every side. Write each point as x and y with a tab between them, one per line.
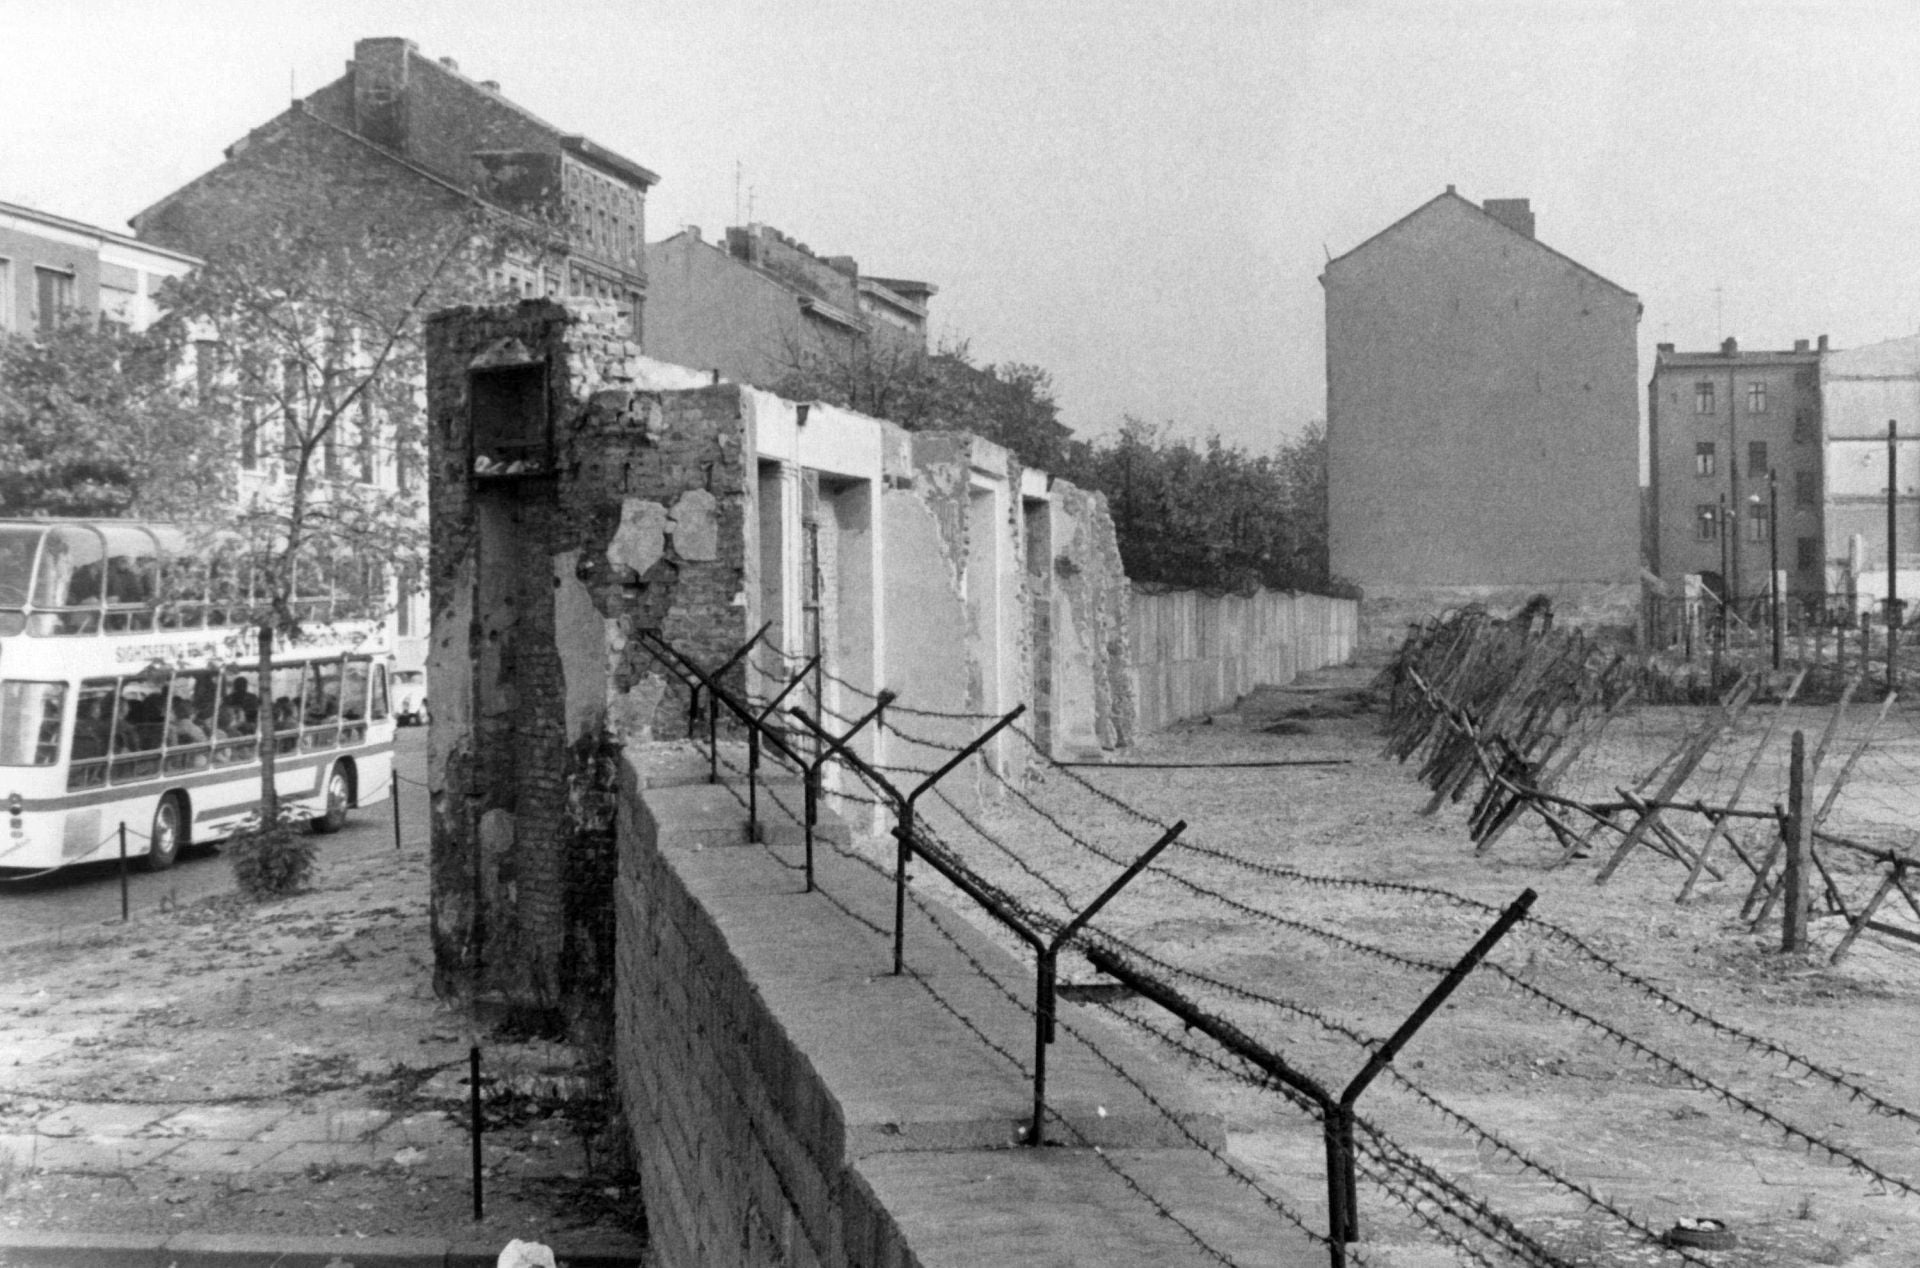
77	901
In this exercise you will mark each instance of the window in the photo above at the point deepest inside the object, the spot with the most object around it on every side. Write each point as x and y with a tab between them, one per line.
1756	524
1756	398
1703	458
1807	557
1804	431
53	297
364	449
1756	460
30	716
1703	397
1806	489
6	295
1706	519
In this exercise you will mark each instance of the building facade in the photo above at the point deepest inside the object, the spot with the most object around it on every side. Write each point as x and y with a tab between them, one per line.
759	305
1865	391
1720	424
1482	421
401	138
53	269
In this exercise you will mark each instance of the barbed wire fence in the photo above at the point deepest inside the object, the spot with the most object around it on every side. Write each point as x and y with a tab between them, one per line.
1039	836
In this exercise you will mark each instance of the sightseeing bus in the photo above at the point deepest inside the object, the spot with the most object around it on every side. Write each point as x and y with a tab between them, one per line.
127	697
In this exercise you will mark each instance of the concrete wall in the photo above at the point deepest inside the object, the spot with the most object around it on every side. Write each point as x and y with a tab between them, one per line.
705	513
1482	411
791	1102
1194	653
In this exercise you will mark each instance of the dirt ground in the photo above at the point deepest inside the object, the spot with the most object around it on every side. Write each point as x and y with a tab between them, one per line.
1627	1104
285	1069
320	1004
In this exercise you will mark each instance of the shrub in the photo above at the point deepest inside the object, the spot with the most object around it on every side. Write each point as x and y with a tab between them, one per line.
272	860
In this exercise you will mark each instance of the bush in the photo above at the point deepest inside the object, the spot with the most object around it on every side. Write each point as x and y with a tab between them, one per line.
272	860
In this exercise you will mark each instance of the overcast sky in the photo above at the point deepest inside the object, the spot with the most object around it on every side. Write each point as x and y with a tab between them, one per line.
1137	196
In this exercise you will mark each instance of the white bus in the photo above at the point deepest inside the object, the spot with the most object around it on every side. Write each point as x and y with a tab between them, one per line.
126	698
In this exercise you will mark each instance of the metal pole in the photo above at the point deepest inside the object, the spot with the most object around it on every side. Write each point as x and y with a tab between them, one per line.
1893	561
1773	555
1793	921
124	917
474	1124
393	793
1727	577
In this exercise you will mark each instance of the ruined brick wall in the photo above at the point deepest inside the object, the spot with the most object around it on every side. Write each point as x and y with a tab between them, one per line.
540	583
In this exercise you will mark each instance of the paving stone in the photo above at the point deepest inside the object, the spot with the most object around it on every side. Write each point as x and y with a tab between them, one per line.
99	1153
219	1122
423	1130
109	1118
342	1125
300	1155
220	1155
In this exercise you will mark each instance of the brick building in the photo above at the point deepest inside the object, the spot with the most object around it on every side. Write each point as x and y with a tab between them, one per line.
1717	423
1482	421
400	126
759	303
52	268
405	139
584	493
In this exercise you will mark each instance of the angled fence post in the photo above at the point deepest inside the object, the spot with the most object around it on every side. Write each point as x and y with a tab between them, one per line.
1339	1124
827	746
753	749
1047	969
904	832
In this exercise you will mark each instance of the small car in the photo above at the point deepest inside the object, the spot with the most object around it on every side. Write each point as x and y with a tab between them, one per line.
410	697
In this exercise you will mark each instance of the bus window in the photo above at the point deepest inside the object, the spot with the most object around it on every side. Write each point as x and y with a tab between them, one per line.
190	720
17	547
379	708
237	719
71	577
30	714
353	690
137	729
92	733
132	577
287	681
323	703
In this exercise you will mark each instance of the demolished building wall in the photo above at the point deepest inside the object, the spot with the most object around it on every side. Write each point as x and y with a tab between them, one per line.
583	494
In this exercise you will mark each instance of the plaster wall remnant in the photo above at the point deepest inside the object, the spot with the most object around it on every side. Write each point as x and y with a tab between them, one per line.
701	512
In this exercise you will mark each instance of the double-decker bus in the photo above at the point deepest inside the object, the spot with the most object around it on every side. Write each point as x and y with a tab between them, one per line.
127	696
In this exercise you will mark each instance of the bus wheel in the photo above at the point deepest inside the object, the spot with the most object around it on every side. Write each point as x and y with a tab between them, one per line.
169	834
339	797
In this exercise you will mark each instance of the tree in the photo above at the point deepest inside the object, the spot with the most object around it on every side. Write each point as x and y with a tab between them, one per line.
1010	404
312	319
97	420
1212	517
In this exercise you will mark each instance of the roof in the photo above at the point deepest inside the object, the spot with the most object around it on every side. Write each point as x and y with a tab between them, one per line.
601	156
84	229
1449	196
1891	359
1740	359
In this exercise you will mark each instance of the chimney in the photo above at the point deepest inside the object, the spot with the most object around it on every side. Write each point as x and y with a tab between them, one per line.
491	85
1730	347
1800	345
1514	213
1663	348
1822	346
380	90
450	64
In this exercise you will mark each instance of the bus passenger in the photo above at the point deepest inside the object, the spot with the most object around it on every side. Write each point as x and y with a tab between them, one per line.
181	728
240	711
91	728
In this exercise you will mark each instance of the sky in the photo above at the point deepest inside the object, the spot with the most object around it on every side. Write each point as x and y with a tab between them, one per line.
1138	197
